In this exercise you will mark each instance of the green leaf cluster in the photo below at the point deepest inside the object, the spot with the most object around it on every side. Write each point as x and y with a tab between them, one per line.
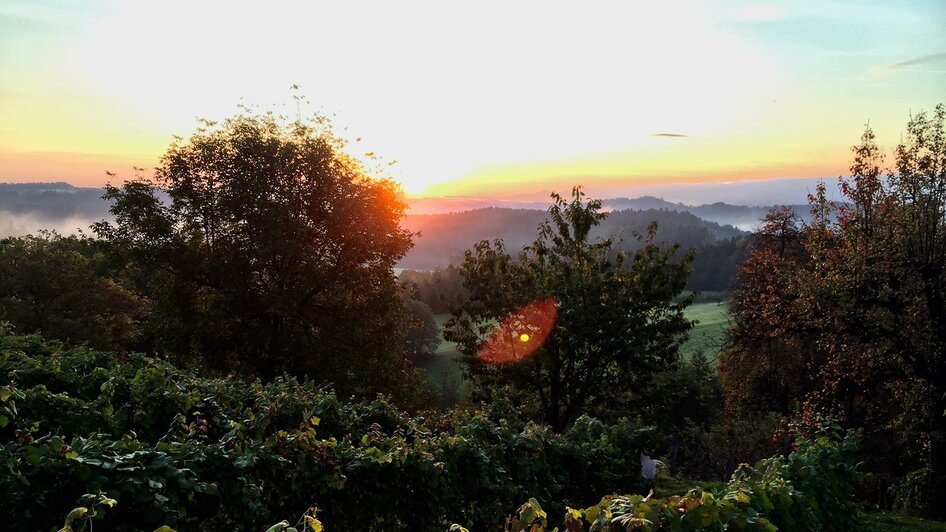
176	449
809	490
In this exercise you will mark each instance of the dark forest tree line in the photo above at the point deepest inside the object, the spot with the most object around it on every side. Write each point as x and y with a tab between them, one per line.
65	287
443	239
714	266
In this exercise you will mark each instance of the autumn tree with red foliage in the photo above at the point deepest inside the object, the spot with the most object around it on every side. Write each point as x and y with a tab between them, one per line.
846	315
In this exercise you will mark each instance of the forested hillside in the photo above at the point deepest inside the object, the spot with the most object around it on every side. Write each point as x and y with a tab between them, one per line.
52	200
741	216
443	238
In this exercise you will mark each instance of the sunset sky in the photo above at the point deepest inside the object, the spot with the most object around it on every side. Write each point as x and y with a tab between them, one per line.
480	98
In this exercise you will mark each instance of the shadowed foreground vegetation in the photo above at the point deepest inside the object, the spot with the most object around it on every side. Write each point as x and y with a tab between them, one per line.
171	448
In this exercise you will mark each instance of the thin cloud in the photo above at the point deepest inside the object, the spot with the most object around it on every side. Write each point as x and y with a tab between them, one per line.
933	58
906	64
671	135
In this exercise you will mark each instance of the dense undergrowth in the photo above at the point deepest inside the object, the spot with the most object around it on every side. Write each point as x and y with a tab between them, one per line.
165	447
808	490
176	449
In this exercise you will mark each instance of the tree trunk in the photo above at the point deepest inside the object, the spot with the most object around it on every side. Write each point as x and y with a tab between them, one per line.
938	462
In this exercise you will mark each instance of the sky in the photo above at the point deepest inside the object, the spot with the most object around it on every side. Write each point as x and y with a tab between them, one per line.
476	99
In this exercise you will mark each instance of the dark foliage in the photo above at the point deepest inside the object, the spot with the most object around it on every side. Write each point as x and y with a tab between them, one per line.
438	289
846	315
617	319
62	287
216	454
808	490
421	333
274	253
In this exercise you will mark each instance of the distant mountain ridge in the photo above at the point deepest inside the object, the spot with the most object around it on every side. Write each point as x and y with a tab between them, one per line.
58	201
443	238
744	217
53	200
741	216
29	207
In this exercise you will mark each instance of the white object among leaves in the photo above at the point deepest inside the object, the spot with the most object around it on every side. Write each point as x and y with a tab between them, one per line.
648	467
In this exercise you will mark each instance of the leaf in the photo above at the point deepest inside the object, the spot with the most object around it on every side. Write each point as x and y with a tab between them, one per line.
76	513
282	525
165	528
314	524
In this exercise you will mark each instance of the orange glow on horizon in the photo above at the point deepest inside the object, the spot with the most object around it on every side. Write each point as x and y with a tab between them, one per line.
640	93
488	186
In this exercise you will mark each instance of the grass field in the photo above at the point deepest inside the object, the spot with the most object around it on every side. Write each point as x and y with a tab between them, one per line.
707	335
879	522
444	371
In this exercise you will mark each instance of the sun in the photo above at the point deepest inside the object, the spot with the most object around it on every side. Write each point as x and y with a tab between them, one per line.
523	337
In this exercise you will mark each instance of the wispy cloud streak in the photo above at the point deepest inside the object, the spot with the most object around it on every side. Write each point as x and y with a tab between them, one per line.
908	64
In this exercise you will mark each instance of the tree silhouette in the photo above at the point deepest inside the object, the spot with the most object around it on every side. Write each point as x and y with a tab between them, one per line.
608	321
266	249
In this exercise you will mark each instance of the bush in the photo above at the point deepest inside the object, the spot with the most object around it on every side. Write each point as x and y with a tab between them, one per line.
809	490
913	494
173	448
824	469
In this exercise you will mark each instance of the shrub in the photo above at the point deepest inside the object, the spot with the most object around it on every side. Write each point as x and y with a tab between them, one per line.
173	448
809	490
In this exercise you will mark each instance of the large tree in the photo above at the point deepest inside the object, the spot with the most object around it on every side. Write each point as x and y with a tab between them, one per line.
264	249
570	325
847	314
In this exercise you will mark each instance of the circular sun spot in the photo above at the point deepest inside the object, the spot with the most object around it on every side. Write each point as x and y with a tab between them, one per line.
520	333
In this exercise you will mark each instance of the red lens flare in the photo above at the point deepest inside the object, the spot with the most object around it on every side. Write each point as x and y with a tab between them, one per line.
521	333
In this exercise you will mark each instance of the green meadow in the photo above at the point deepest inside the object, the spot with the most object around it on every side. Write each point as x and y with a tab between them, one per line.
711	320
